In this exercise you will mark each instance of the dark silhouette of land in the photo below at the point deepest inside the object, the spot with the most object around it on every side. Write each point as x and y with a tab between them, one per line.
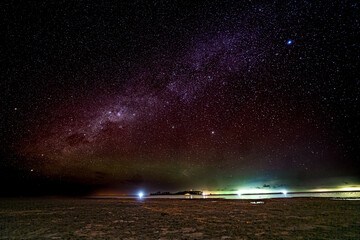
177	193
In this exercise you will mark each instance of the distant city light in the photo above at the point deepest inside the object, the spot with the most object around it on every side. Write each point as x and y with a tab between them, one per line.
245	191
140	195
339	188
284	192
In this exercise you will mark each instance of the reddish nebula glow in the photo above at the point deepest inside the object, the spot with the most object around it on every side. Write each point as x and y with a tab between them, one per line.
201	99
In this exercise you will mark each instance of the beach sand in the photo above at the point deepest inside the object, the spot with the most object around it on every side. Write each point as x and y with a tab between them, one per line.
292	218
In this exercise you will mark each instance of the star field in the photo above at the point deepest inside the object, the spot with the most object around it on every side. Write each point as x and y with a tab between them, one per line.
173	95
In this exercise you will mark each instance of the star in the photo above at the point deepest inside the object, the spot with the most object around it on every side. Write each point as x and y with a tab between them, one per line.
131	104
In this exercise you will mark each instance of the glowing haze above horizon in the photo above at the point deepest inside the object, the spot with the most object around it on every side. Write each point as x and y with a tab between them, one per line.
170	96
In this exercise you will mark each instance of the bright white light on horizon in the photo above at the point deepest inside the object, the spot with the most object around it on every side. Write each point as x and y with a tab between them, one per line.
284	192
252	191
140	195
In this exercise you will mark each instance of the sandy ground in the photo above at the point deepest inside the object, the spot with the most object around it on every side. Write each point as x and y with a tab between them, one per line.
178	219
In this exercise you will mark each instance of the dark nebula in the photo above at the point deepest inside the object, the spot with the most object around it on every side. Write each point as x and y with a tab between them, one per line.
172	95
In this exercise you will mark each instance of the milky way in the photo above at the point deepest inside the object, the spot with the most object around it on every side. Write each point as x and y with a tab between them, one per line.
174	95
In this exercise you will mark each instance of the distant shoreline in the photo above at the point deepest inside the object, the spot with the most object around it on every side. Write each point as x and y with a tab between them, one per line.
280	193
222	194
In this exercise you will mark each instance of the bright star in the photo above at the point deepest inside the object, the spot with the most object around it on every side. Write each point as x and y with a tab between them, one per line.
289	42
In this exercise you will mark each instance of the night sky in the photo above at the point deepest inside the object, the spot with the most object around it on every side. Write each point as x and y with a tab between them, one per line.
171	95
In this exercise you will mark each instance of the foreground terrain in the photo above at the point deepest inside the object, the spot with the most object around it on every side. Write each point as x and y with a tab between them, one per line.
179	219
